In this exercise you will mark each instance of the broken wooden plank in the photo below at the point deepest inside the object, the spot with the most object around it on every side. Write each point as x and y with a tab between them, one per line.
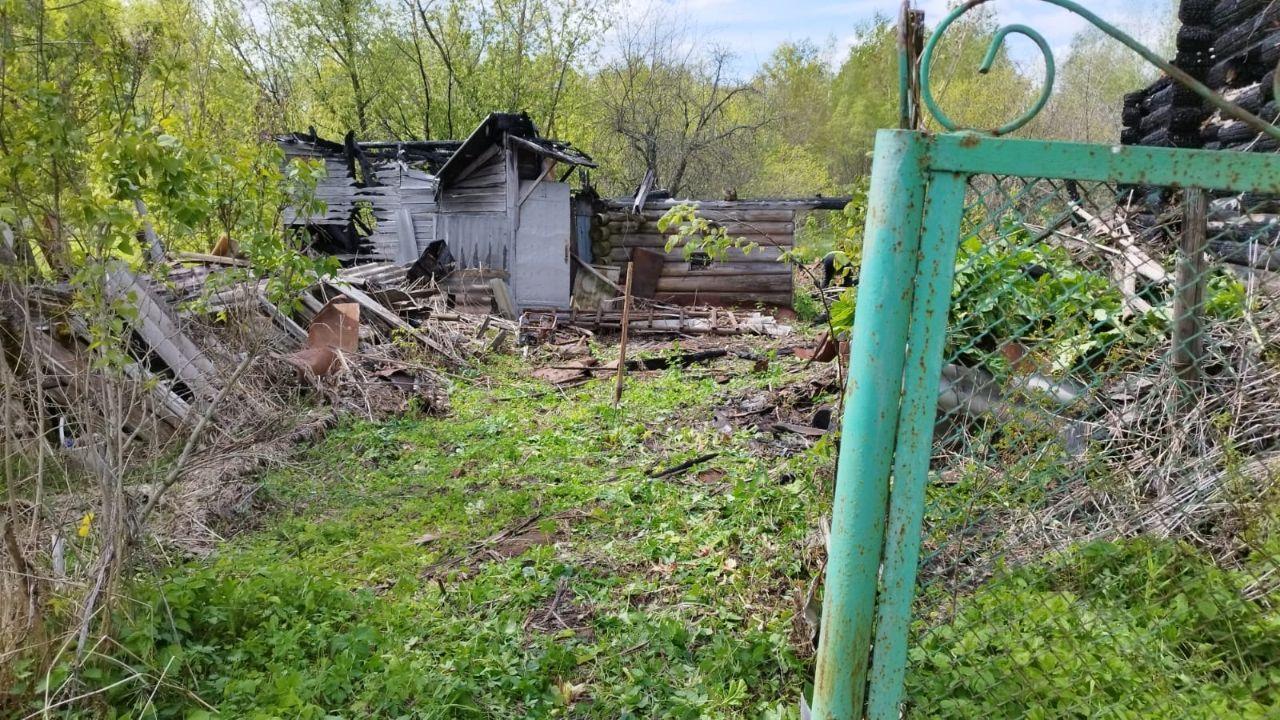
160	330
395	322
284	322
502	298
210	259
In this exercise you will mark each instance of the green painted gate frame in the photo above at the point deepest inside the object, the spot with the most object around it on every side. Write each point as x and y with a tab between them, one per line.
915	204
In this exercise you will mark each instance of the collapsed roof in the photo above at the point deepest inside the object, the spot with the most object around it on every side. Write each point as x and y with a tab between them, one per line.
519	129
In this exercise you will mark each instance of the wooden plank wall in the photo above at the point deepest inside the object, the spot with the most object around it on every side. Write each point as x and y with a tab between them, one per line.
473	215
337	187
418	196
737	279
403	194
482	189
477	239
408	190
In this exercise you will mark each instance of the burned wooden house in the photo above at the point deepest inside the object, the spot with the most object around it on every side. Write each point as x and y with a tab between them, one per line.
498	199
500	202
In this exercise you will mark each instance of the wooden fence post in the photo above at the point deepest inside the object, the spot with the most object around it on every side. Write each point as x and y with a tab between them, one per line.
1188	299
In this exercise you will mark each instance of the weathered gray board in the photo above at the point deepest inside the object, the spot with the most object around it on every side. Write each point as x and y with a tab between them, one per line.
477	239
473	214
160	330
403	203
540	277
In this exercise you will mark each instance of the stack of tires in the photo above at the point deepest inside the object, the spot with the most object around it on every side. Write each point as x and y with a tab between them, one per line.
1233	47
1195	53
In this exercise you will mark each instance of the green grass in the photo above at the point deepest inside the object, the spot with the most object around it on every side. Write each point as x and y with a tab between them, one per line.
680	590
377	587
1128	630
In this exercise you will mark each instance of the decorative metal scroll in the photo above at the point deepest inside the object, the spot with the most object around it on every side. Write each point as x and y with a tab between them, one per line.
926	64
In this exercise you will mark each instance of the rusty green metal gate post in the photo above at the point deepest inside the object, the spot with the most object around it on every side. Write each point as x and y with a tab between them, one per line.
894	209
914	211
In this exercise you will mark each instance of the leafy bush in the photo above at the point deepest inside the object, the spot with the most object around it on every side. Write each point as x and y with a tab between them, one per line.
808	308
1068	312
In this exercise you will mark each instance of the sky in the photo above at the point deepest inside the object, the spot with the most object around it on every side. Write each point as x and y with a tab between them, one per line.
753	28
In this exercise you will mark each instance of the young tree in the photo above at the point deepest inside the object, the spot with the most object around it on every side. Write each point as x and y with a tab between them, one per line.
792	156
864	98
674	107
336	40
1085	105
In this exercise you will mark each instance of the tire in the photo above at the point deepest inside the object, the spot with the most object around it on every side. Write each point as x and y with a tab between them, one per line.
1235	132
1197	12
1185	139
1236	36
1195	38
1159	138
1134	99
1229	13
1183	96
1267	52
1156	119
1222	75
1159	98
1130	136
1131	116
1192	58
1209	134
1266	144
1253	202
1250	98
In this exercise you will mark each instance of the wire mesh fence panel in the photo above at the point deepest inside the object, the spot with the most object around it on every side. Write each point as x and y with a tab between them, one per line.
1101	531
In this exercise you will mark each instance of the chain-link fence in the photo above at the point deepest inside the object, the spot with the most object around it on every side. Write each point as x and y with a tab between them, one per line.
1101	532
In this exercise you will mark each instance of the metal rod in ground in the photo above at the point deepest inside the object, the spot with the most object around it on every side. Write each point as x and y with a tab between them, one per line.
622	343
1188	299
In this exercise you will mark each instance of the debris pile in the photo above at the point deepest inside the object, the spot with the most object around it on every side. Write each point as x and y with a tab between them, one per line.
203	356
655	319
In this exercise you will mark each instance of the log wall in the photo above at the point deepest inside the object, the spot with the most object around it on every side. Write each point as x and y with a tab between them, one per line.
1232	46
736	279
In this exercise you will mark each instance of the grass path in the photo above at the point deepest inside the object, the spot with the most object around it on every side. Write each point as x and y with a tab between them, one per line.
515	559
510	560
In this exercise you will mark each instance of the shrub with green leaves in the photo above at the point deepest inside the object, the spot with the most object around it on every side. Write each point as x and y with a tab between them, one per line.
1068	313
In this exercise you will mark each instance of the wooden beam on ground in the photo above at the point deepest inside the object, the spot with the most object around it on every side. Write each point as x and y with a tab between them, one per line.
284	322
161	332
502	298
